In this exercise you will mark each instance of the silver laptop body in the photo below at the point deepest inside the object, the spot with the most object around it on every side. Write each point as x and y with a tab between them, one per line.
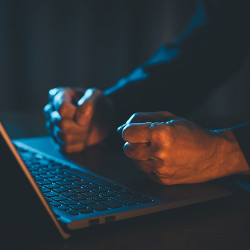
114	201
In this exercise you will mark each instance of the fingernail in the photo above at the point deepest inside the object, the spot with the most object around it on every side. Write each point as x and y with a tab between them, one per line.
119	129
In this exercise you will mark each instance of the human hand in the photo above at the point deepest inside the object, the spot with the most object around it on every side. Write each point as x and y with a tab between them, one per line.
172	150
78	118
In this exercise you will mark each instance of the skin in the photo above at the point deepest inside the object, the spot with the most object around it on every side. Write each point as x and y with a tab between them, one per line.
78	118
172	150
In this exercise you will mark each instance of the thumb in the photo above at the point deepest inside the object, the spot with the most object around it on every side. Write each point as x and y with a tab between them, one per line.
85	109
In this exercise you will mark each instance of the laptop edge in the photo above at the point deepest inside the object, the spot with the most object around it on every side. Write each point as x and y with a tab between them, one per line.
30	179
124	213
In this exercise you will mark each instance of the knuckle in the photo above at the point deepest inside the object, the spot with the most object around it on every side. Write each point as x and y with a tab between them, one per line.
169	134
157	133
163	134
53	91
160	133
159	153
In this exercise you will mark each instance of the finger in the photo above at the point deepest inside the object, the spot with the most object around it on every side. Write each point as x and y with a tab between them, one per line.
53	92
62	102
137	132
76	92
47	110
65	125
132	118
68	126
119	129
143	117
137	151
73	148
164	180
86	105
161	116
69	139
67	132
55	117
145	166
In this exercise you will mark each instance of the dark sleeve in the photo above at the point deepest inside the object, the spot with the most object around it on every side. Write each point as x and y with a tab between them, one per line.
242	134
185	71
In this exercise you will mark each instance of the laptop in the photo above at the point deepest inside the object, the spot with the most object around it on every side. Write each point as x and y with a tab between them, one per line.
64	194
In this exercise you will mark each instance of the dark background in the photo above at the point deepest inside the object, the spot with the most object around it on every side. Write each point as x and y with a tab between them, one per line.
93	43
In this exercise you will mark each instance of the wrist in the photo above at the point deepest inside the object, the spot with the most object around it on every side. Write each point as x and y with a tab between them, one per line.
231	157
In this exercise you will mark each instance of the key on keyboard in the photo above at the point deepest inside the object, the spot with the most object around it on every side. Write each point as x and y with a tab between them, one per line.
76	194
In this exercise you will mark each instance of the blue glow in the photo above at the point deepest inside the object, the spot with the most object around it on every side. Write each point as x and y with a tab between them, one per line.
163	55
136	75
201	18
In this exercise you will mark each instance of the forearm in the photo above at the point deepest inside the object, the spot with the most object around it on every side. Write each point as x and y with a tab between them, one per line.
230	158
183	73
233	152
242	134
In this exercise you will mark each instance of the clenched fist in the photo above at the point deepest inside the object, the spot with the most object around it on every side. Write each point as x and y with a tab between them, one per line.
173	150
78	118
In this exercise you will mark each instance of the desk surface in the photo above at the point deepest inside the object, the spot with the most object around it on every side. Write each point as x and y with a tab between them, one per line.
217	224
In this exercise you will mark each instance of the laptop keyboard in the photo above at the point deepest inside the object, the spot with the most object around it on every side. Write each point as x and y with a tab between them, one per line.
73	193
